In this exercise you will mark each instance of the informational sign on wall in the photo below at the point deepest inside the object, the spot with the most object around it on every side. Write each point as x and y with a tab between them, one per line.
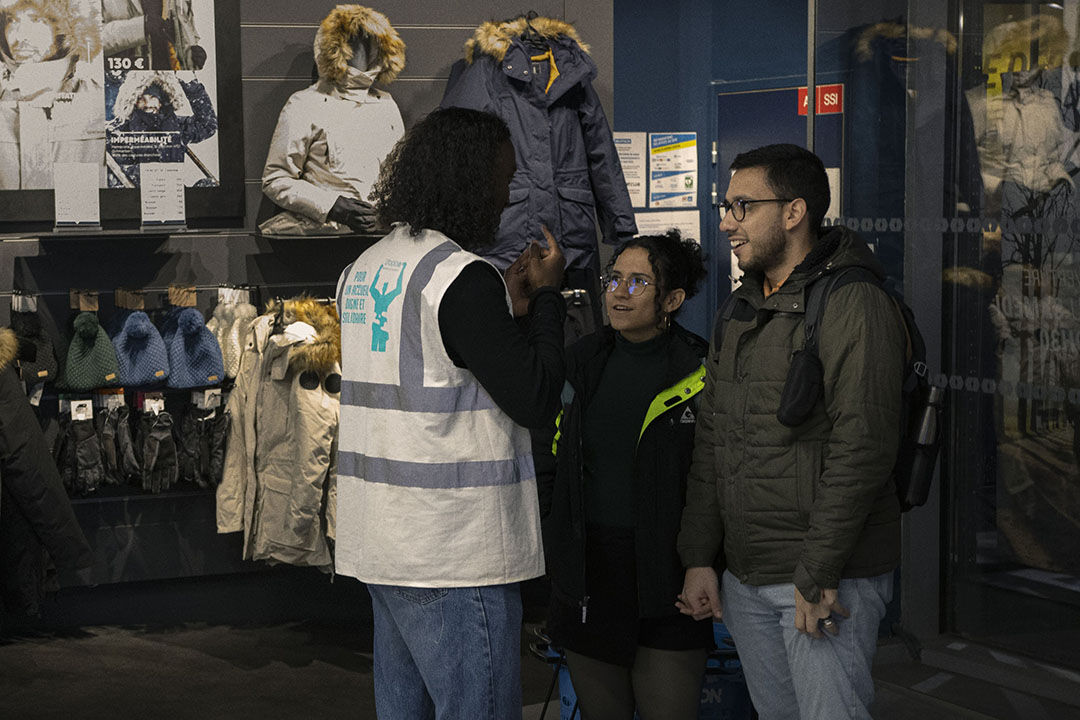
633	158
687	222
673	170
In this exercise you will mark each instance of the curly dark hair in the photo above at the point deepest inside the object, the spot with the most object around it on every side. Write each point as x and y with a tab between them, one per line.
676	263
440	176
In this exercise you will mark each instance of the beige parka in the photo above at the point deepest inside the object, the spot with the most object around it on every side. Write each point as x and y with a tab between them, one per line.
278	486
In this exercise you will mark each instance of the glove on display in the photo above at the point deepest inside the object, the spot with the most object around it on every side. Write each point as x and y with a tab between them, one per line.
194	355
129	463
84	445
28	328
65	455
358	215
160	469
140	352
217	431
202	445
91	359
105	425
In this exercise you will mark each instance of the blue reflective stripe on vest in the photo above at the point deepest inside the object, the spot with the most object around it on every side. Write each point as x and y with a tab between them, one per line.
446	476
382	396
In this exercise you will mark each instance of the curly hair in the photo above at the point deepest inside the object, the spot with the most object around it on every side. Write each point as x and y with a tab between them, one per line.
676	262
441	176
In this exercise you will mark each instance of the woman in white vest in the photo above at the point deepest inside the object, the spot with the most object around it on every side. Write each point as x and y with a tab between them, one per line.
436	507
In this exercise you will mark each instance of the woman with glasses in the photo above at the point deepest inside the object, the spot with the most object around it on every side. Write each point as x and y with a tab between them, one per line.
612	484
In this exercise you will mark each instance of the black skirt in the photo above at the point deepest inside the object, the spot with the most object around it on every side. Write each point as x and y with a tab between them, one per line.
613	629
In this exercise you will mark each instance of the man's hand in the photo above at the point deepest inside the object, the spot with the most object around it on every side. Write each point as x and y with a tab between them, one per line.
517	283
700	597
808	614
545	265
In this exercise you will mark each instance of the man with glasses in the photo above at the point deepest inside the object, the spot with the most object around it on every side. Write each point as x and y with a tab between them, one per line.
791	530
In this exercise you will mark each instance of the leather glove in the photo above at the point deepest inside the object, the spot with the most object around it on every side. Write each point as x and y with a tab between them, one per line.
65	457
89	469
160	468
187	446
129	462
358	215
218	431
105	425
198	57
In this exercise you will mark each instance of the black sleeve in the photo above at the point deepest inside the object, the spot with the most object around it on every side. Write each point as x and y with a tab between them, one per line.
521	370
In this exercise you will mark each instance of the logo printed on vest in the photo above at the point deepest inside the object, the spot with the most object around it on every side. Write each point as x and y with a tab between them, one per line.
687	416
382	304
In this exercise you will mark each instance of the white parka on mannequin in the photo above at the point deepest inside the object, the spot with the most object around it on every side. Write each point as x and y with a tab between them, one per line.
332	137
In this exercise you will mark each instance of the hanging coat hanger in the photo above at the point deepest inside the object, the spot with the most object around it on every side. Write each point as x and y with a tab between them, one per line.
533	39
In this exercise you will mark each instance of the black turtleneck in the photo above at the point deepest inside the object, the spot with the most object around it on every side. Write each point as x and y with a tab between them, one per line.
634	373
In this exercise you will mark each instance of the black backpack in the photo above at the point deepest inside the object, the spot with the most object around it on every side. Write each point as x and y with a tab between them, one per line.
921	407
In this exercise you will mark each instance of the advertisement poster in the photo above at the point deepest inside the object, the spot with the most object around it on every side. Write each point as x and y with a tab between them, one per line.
673	170
631	149
111	82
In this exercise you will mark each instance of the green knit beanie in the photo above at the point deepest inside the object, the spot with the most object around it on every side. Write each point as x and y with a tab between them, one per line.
91	358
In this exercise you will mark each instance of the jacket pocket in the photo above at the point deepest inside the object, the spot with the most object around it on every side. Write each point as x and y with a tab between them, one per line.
808	461
287	518
577	215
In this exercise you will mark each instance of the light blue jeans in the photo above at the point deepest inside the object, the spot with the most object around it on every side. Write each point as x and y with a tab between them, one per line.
794	676
447	653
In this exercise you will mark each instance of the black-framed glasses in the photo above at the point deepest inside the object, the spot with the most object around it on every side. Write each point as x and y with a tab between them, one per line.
738	208
634	285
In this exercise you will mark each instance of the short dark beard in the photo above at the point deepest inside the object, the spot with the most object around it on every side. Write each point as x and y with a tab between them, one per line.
768	253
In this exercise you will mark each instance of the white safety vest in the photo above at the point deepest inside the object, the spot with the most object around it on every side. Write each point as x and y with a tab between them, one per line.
435	484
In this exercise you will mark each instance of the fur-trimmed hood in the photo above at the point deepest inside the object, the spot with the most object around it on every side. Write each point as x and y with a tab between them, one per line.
324	352
495	38
332	50
9	347
138	82
75	33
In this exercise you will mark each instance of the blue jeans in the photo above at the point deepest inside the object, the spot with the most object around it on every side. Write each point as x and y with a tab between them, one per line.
447	653
792	675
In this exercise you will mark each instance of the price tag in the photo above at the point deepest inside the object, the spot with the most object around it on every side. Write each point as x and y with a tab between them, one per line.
206	399
35	393
154	406
82	410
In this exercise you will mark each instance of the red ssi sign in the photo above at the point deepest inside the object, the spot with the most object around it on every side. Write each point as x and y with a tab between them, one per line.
830	99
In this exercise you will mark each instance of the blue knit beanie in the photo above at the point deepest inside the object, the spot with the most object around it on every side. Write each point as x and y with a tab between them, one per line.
140	352
194	354
91	359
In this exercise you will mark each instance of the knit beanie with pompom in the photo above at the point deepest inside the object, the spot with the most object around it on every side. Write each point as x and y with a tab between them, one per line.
194	354
140	352
91	359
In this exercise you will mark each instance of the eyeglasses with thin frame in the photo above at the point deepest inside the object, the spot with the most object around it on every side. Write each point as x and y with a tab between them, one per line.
634	285
738	208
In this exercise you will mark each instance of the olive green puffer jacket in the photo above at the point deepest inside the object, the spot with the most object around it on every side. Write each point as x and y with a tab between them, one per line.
813	503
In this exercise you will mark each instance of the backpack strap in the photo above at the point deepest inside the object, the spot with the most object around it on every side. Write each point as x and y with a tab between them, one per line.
818	295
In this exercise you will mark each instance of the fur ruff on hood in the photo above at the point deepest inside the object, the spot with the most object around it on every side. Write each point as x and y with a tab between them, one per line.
494	38
76	33
136	83
9	347
332	50
323	353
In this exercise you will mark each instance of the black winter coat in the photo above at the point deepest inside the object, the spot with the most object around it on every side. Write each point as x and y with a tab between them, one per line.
35	512
660	469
